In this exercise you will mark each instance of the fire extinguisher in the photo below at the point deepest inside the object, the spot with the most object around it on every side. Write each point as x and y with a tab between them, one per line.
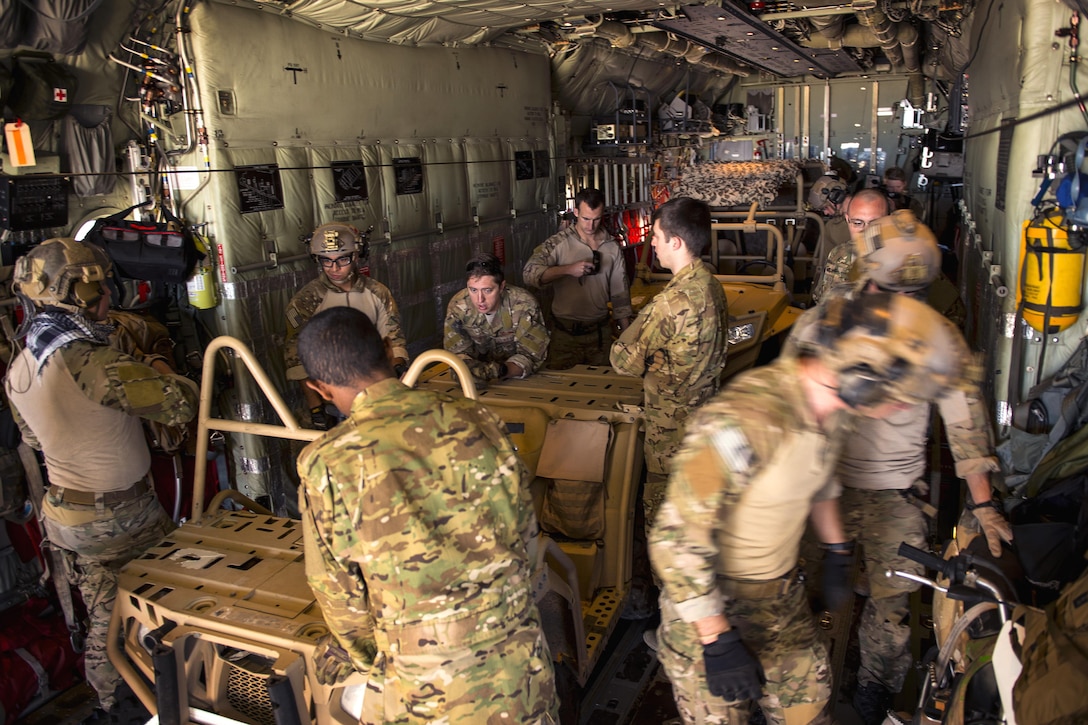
201	286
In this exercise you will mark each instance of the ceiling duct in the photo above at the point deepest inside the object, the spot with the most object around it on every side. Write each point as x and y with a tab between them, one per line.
732	30
620	36
884	29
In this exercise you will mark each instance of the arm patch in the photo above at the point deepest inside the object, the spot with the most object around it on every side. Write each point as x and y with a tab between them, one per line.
733	447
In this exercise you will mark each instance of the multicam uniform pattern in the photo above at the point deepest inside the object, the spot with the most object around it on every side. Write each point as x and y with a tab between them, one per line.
882	460
584	300
836	271
97	540
678	346
515	333
369	296
418	528
727	537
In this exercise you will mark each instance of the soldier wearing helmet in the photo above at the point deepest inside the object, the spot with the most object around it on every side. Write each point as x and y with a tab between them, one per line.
756	464
828	197
884	460
338	250
80	402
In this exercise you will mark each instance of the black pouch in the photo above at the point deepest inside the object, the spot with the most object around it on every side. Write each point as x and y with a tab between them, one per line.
153	251
44	89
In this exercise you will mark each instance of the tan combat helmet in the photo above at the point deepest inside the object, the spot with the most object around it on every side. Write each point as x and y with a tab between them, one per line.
828	189
62	273
336	239
885	347
899	253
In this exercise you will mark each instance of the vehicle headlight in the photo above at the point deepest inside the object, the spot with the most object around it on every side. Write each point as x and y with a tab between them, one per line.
742	333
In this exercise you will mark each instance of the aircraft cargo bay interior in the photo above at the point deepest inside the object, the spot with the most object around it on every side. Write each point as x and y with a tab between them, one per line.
569	362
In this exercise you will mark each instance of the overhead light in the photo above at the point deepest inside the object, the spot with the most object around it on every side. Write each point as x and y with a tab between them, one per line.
721	17
857	125
885	111
774	47
749	34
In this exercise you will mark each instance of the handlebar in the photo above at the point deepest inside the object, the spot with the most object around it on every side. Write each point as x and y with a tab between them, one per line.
927	559
965	582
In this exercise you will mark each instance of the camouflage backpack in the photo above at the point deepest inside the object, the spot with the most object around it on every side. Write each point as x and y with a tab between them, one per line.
1050	689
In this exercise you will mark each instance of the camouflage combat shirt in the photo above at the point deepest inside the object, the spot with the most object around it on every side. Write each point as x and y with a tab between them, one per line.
369	296
836	271
515	333
752	463
584	299
677	344
688	324
416	515
83	412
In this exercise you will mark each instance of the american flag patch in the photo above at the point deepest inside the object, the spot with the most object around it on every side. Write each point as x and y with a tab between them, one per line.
733	447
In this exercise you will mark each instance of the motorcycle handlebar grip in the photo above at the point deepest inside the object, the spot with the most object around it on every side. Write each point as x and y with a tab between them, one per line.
925	558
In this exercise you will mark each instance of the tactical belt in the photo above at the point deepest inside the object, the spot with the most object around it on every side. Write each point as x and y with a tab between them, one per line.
88	498
576	328
748	589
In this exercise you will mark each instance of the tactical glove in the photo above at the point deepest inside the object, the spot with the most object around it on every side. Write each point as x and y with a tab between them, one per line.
994	526
319	418
331	662
838	566
732	672
400	366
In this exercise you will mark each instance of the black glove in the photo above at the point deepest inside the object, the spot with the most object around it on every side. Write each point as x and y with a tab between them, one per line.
838	566
400	366
732	672
319	418
331	662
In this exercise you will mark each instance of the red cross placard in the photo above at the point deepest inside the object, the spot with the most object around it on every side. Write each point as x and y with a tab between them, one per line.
60	95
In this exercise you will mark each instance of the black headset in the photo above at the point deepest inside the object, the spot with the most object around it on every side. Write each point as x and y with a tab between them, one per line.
835	194
859	386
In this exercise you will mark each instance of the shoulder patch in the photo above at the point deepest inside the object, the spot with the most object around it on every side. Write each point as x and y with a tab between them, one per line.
732	446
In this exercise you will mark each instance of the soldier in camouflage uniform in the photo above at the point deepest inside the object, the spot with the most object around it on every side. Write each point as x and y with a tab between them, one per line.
859	211
678	342
80	402
338	249
756	463
584	266
884	460
828	197
496	329
419	532
863	209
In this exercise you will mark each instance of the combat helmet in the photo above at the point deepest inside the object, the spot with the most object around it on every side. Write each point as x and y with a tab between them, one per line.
885	347
336	239
828	189
899	253
61	272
